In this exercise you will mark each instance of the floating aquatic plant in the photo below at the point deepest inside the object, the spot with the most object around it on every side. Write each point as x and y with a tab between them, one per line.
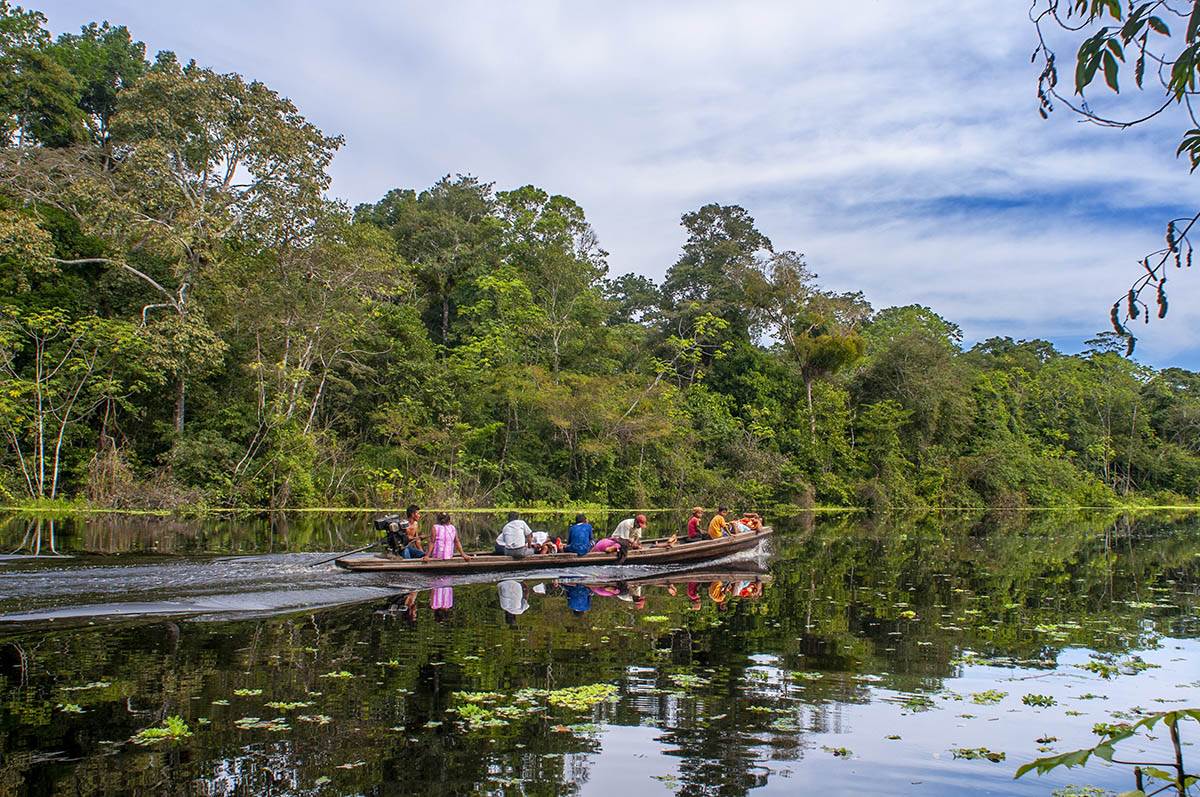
172	729
580	698
973	753
247	692
988	697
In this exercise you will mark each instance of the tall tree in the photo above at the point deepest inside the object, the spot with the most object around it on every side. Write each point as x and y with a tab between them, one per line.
448	232
722	245
200	159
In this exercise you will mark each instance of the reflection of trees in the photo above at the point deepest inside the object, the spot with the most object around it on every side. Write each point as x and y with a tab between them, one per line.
834	608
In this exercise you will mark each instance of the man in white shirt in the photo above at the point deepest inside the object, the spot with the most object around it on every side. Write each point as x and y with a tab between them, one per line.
630	529
514	538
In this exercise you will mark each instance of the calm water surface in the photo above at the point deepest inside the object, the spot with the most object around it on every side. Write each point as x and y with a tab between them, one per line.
852	657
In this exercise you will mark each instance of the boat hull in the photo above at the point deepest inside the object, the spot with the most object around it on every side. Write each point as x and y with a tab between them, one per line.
653	552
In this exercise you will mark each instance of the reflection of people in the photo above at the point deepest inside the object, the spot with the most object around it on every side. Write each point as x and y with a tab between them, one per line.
693	594
403	605
443	540
630	529
514	538
693	524
512	599
718	592
579	598
441	600
579	535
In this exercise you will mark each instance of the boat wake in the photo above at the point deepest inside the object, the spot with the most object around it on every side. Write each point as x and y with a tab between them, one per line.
225	588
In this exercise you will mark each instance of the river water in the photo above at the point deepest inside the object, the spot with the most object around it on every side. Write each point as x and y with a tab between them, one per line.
911	656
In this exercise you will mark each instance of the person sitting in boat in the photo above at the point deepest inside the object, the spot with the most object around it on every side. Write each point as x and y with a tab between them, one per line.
718	527
515	538
630	529
404	536
444	540
693	524
579	535
752	521
541	542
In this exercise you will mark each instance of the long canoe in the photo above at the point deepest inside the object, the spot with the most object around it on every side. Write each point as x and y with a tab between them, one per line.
652	552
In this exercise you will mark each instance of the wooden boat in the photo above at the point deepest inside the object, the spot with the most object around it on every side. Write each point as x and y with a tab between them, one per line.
652	552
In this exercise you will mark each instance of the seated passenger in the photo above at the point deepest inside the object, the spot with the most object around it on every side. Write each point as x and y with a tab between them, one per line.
541	542
514	538
752	520
444	541
579	536
718	527
693	524
630	530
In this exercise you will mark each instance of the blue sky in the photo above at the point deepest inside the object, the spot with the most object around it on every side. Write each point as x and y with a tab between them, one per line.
897	145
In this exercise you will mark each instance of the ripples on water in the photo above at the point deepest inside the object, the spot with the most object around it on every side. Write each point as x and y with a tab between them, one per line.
862	631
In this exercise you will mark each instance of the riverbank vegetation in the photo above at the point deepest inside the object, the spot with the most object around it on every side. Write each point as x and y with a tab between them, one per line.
187	319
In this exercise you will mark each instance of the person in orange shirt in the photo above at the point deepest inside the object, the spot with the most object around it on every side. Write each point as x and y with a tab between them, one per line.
719	527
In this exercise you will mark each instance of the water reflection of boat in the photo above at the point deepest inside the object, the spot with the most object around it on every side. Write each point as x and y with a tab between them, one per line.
652	552
751	573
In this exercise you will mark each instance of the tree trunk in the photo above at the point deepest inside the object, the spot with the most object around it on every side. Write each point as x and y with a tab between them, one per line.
445	320
812	418
180	404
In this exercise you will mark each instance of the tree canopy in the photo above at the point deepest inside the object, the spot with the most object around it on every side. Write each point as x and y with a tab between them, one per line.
187	317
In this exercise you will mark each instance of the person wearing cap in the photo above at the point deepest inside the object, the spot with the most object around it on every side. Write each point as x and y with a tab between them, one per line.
630	529
693	524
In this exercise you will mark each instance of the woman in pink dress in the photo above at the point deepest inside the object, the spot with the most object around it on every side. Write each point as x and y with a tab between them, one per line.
444	540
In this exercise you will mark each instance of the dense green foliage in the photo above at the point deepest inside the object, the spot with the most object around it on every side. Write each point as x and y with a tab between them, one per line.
184	317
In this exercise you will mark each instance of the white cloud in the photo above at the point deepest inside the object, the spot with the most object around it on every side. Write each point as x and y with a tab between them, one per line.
849	134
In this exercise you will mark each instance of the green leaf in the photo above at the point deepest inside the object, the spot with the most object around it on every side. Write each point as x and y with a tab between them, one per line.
1110	72
1159	26
1161	774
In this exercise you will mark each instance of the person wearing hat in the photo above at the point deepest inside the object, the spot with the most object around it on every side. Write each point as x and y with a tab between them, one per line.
693	524
630	529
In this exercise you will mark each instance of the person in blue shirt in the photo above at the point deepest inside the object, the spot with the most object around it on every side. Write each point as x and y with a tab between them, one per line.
579	536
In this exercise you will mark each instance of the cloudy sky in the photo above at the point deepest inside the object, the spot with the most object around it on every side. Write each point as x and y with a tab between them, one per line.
897	145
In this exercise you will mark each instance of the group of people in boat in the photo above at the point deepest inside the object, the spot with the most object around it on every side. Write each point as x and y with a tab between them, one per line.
518	540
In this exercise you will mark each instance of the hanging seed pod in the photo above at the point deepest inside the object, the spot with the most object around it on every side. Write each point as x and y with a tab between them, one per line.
1115	318
1171	235
1162	298
1189	256
1130	342
1133	304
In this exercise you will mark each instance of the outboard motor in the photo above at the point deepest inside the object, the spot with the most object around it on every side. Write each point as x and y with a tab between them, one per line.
395	529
